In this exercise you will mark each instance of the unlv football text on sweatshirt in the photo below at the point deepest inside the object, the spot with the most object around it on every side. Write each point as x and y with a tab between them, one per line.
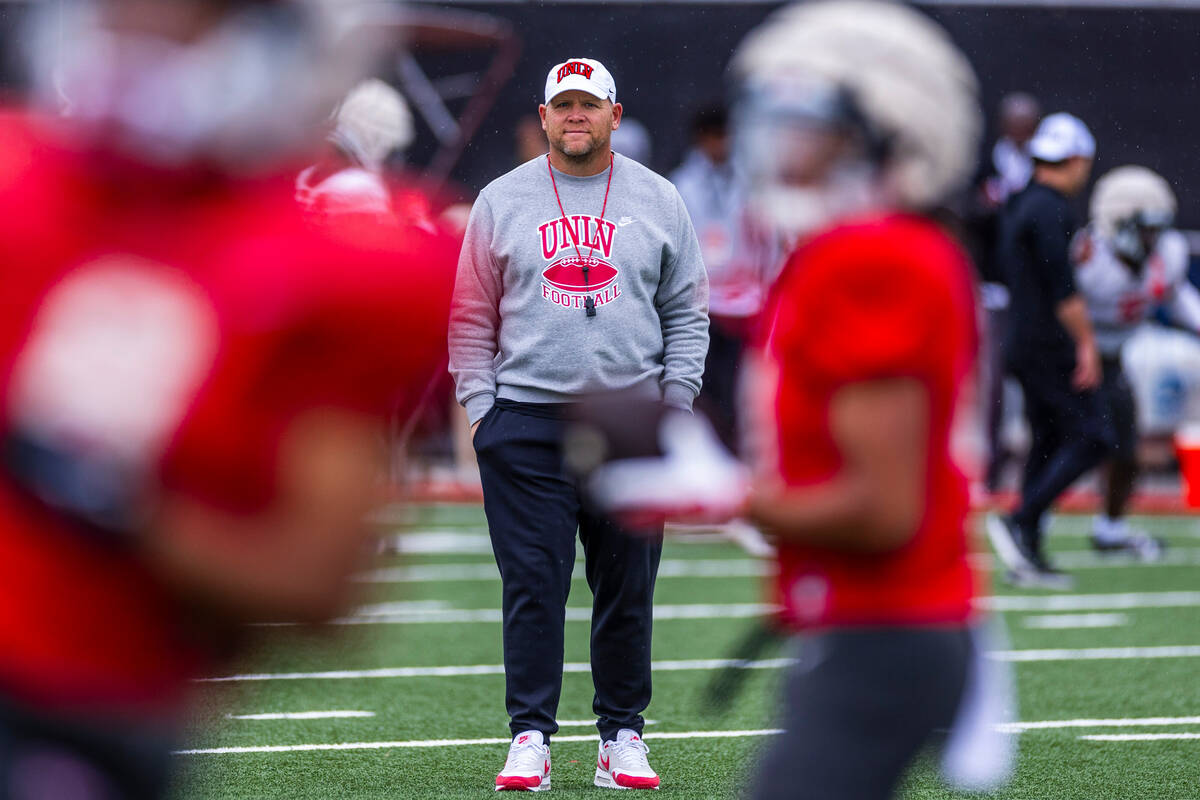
551	303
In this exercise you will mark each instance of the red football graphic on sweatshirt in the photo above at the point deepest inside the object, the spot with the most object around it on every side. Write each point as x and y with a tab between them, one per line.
567	274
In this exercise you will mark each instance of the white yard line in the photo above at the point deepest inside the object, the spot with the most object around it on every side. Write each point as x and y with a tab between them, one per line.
482	669
1097	653
407	614
1136	722
292	748
669	568
1074	621
1139	737
698	568
588	723
435	612
430	743
304	715
1089	654
472	539
1090	559
1089	602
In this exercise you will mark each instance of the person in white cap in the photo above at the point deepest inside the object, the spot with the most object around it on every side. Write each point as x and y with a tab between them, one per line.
1050	348
580	272
1130	263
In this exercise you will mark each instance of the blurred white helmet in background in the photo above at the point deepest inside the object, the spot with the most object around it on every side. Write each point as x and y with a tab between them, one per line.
851	104
1130	207
371	122
632	140
236	83
1132	193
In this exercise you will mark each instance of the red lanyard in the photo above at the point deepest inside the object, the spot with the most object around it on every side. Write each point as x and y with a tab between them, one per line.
589	303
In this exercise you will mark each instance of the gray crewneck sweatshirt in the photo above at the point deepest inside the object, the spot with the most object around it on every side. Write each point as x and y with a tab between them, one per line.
519	325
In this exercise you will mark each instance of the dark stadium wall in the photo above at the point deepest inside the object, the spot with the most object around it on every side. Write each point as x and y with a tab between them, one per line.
1126	72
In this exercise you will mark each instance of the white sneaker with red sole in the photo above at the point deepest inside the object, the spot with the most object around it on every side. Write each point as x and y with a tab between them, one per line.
622	763
527	768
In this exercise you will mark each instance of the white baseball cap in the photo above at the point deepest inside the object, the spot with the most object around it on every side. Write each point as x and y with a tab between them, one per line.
585	74
1061	136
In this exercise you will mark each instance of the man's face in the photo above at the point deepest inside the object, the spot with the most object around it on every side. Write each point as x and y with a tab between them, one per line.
181	21
1019	126
715	145
1080	169
578	124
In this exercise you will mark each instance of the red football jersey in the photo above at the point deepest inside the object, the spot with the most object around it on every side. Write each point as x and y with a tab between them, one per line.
232	316
874	299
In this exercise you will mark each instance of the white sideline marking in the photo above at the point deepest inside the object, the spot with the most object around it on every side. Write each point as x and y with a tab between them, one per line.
1020	727
427	743
1138	737
292	748
587	723
1097	653
1072	621
1092	654
400	613
1089	602
410	613
1090	559
716	568
305	715
472	540
483	669
670	568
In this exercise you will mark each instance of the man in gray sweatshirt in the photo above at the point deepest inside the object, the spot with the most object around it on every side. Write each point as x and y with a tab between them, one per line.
580	272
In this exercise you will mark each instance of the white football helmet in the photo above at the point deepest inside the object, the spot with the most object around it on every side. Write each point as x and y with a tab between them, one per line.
371	122
1130	205
1132	194
247	90
851	104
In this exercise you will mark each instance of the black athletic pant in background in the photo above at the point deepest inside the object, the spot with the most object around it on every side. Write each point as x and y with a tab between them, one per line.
859	705
533	511
1071	433
718	395
1116	397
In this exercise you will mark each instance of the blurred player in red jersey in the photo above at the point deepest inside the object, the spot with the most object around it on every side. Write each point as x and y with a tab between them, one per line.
870	334
854	118
193	381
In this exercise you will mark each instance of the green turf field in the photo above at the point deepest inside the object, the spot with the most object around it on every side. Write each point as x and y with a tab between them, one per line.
423	619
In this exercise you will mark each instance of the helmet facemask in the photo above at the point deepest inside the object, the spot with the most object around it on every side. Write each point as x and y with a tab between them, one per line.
809	155
885	80
1135	237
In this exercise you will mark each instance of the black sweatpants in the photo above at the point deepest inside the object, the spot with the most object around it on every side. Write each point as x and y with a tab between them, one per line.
1116	398
1071	433
991	381
1119	406
722	371
534	510
858	707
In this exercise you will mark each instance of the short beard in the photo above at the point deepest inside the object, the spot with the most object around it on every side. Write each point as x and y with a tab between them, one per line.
581	154
584	152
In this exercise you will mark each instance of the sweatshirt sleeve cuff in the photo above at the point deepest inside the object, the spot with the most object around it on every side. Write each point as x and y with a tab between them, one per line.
478	405
678	395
